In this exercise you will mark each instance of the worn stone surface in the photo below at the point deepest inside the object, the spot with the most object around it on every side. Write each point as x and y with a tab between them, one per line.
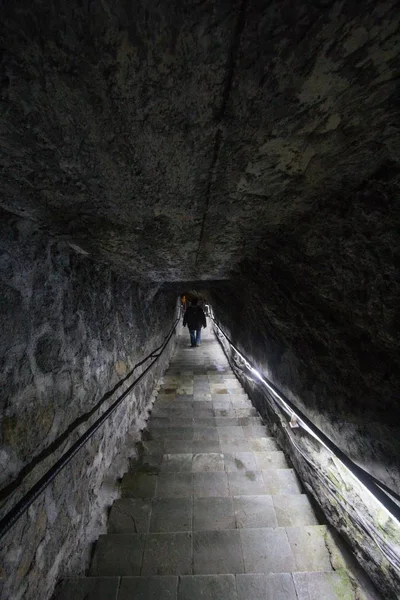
119	554
323	586
129	515
69	332
148	588
86	588
199	587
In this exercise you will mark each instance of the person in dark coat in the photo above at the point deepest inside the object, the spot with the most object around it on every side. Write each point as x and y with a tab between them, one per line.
195	319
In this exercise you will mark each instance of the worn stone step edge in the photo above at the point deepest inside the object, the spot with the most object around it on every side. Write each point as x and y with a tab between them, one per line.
295	535
108	588
152	466
141	515
142	484
202	531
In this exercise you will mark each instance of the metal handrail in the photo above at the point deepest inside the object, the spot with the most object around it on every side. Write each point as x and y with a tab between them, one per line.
375	487
9	520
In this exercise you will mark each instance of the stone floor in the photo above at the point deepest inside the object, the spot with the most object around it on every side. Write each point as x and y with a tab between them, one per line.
211	510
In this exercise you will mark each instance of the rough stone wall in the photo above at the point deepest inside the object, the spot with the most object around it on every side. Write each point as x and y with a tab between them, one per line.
70	330
318	312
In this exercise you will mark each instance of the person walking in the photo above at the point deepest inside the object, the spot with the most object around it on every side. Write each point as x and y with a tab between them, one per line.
195	319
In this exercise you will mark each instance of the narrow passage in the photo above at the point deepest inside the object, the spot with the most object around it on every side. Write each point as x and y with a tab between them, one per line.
211	509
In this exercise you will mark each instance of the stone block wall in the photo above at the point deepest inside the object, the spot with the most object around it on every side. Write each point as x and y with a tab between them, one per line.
70	331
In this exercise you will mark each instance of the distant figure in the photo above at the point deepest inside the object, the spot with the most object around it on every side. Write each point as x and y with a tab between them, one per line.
195	319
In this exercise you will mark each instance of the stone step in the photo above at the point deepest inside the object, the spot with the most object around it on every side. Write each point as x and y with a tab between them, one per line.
223	383
209	484
154	458
160	515
228	435
258	550
197	421
189	387
174	444
212	461
255	586
199	410
188	395
224	434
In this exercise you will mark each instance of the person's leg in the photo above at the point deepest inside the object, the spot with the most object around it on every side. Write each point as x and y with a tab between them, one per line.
192	337
198	337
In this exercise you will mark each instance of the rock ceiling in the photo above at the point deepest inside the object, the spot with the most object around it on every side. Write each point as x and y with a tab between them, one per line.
168	139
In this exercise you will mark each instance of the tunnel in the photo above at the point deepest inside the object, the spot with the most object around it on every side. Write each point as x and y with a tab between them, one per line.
239	156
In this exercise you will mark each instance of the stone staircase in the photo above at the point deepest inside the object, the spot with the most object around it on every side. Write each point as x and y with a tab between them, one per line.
211	509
